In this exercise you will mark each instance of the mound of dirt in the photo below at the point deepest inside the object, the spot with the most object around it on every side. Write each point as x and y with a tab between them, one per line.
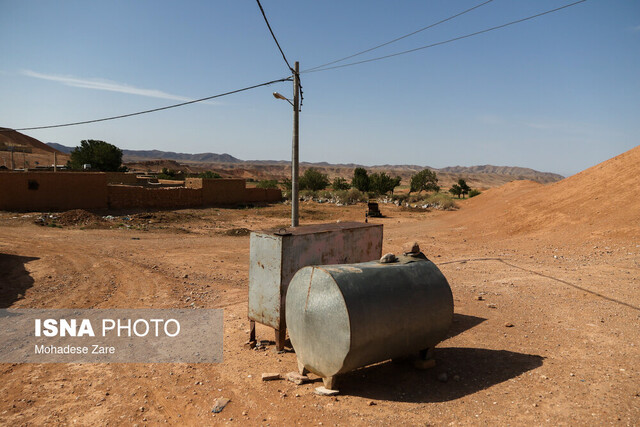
237	232
78	217
12	137
597	200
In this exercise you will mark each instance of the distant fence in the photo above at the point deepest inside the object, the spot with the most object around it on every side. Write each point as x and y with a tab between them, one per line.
99	190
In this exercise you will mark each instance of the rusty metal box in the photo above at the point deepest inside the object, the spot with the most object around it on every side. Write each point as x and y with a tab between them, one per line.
275	256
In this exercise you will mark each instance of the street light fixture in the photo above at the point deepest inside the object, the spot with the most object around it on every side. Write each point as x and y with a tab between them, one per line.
279	96
294	150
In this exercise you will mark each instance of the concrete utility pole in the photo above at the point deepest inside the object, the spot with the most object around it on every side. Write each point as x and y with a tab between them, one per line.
13	165
294	151
55	161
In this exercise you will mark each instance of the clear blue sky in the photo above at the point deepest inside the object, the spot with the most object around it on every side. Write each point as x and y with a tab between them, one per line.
559	93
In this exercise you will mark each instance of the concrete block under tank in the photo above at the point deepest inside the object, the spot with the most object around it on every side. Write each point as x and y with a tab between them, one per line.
343	317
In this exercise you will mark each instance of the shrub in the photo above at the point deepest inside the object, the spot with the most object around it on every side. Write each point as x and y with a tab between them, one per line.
326	195
170	174
400	198
340	196
267	183
308	194
209	174
354	196
286	184
474	193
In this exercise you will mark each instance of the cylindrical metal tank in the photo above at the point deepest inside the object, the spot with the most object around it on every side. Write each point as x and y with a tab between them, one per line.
342	317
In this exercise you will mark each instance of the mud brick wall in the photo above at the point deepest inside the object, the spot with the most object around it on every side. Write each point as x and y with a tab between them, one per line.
231	191
90	190
52	190
263	195
124	196
121	178
219	191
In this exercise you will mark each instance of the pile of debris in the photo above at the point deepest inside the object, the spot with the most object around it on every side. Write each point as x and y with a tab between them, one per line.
69	218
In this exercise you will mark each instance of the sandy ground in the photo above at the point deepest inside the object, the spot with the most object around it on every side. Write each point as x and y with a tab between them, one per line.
546	327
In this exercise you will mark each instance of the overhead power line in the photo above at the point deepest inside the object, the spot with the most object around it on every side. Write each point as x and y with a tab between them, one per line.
264	15
274	36
398	38
285	79
445	41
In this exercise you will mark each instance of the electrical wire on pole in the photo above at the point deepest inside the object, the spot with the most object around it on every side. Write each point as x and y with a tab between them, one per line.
398	38
284	79
274	37
404	52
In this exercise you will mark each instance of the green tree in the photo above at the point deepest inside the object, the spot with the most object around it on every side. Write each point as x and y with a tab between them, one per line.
360	179
425	180
267	183
101	155
396	182
313	180
286	184
464	188
381	183
456	190
209	174
340	184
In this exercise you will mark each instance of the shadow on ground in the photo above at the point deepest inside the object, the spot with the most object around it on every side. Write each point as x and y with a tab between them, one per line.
469	370
14	278
463	322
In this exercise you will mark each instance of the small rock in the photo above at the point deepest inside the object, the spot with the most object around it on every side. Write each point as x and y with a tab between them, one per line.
219	404
270	376
443	377
480	298
388	258
142	409
244	413
296	378
492	305
508	325
322	391
371	403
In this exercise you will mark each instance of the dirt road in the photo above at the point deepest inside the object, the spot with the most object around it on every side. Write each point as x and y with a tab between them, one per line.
546	329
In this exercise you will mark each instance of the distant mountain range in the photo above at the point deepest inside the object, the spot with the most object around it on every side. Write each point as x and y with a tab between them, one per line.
141	155
212	159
